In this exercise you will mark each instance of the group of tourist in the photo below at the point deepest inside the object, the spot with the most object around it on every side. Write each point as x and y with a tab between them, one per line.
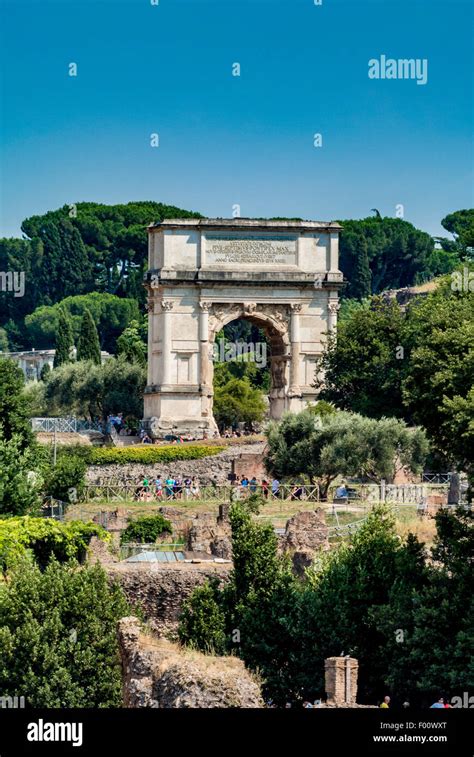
175	487
171	487
441	703
245	487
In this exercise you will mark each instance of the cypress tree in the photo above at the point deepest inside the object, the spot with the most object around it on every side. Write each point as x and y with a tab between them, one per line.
362	277
64	341
355	265
74	267
88	346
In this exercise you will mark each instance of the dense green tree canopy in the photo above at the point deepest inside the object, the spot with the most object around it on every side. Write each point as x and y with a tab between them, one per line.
19	255
342	444
14	415
132	342
20	480
114	239
363	365
382	253
202	621
417	364
44	538
95	391
237	401
111	316
58	636
404	613
65	267
461	225
438	380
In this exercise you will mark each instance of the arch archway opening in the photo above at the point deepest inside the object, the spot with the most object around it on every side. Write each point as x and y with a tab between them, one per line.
254	346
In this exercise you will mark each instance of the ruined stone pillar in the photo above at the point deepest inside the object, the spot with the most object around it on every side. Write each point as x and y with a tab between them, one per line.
340	677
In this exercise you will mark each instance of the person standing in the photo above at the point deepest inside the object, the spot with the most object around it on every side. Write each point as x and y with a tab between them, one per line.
169	487
275	487
386	703
177	488
158	487
187	488
195	488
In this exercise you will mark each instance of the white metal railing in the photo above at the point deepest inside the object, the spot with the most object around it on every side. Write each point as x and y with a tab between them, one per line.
64	425
111	489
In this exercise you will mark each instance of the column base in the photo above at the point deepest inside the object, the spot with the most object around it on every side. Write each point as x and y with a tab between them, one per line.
294	391
177	410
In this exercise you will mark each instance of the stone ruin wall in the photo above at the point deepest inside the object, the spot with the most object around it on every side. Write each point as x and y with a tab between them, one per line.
206	469
160	590
159	674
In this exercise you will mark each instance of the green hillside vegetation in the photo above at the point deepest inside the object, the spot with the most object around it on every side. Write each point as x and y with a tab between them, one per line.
95	248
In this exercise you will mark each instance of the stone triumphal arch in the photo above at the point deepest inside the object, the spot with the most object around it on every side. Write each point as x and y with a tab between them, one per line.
282	276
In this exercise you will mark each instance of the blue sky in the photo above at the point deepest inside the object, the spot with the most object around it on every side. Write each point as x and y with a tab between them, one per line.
227	140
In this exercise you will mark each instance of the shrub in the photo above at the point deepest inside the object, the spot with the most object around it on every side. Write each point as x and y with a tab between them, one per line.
84	451
148	454
202	620
20	481
66	479
45	538
58	638
145	529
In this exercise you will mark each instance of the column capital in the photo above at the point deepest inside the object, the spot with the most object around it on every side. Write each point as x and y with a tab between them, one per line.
167	304
333	307
296	307
205	306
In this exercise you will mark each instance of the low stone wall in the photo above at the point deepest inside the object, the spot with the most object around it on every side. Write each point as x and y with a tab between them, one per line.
160	590
207	469
161	675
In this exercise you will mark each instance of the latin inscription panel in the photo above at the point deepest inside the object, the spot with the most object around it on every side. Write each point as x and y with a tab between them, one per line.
253	249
